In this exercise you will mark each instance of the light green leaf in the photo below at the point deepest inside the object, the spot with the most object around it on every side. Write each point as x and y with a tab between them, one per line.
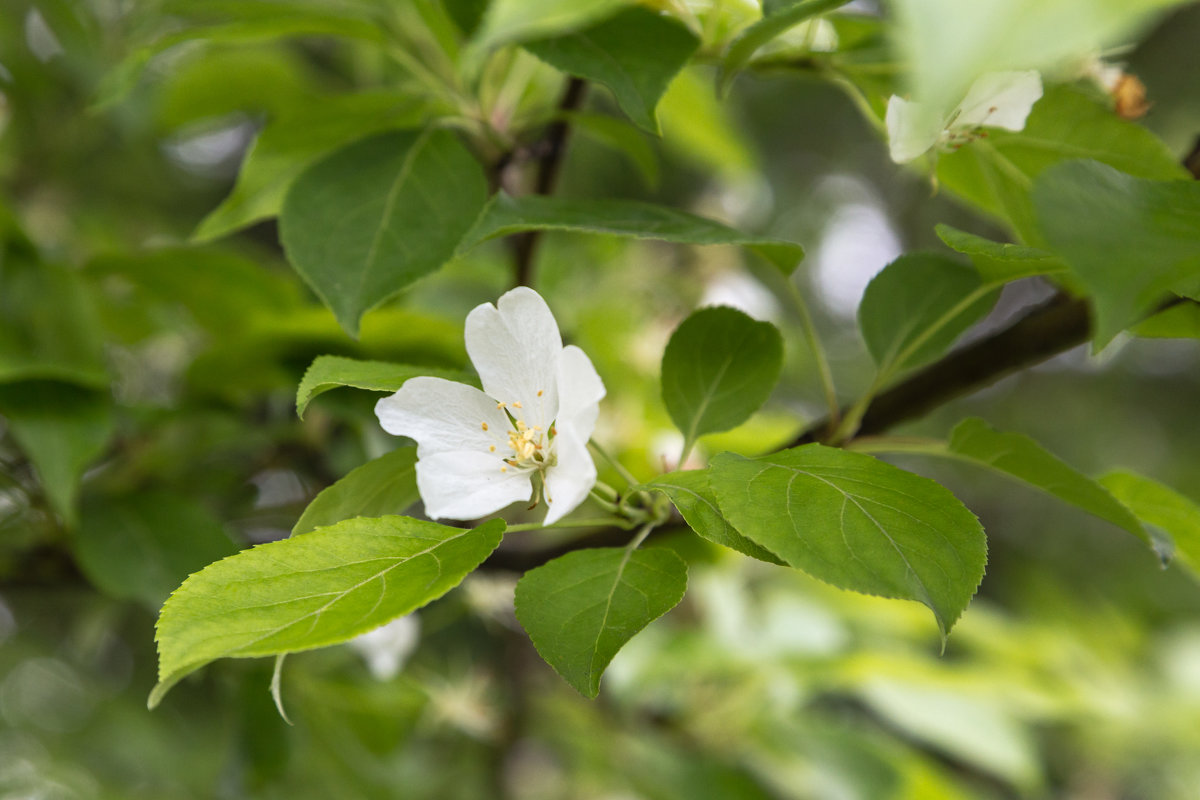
412	198
947	44
719	367
914	309
635	53
381	487
620	136
857	523
1178	322
330	372
581	608
1132	242
743	48
1000	262
292	142
143	545
62	429
517	20
690	493
699	128
322	588
630	218
1172	518
996	174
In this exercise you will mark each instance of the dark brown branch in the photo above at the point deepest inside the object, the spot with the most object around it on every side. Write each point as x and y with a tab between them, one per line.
549	152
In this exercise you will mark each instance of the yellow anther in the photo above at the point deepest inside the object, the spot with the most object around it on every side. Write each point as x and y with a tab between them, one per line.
491	448
485	426
517	404
539	392
500	405
504	469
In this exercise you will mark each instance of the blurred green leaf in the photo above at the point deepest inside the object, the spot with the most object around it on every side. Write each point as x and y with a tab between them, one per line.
322	588
330	372
506	215
1177	322
996	174
690	493
517	20
1161	508
718	368
290	143
774	22
141	546
581	608
635	53
1131	241
381	487
917	307
62	428
703	131
415	195
857	523
620	136
1000	262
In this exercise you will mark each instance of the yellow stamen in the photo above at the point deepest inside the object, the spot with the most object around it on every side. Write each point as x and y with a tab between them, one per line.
517	404
485	426
491	448
539	392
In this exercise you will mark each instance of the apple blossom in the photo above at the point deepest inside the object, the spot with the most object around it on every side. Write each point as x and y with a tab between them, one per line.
479	451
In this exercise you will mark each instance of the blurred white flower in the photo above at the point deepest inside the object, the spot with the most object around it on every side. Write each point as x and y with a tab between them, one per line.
995	100
477	452
386	648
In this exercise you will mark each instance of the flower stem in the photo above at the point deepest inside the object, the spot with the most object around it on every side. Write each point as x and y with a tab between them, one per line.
642	533
598	522
629	477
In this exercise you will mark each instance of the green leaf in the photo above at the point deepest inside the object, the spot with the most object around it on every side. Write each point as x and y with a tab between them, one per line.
917	307
330	372
517	20
1177	322
294	141
635	53
629	218
142	546
62	429
315	590
1166	512
1130	241
1020	457
581	608
1000	262
771	25
383	486
413	197
719	367
620	136
996	174
857	523
690	493
705	132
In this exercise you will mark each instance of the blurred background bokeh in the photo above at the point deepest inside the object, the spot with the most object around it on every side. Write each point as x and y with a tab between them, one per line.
164	371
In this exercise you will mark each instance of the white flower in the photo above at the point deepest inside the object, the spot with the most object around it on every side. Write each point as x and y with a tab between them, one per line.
477	452
995	100
386	648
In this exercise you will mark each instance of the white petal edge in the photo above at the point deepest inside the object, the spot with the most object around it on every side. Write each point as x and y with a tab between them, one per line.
579	391
570	480
913	128
444	416
1000	100
514	346
469	484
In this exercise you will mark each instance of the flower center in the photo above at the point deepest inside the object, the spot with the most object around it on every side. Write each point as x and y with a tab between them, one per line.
532	446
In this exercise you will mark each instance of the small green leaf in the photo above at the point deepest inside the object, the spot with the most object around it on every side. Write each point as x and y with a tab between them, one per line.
857	523
996	174
1000	262
914	309
315	590
1020	457
1178	322
690	493
629	218
330	372
1131	241
719	367
1172	519
771	25
62	428
383	486
517	20
412	197
143	545
581	608
635	53
288	145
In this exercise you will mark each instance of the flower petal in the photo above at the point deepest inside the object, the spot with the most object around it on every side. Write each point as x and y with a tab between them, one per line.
444	416
579	391
912	128
571	478
468	484
1000	100
514	346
